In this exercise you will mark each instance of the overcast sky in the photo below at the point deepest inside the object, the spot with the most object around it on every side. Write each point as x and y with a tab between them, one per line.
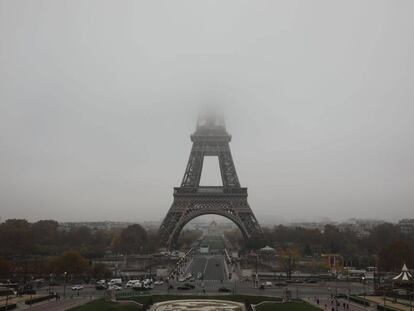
98	99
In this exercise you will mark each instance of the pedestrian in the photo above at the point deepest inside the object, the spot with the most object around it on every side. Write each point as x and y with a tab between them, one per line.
317	301
325	306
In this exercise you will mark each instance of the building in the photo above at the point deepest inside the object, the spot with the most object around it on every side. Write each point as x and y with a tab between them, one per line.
406	226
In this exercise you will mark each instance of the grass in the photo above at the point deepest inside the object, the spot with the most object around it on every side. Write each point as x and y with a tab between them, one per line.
101	305
150	299
293	306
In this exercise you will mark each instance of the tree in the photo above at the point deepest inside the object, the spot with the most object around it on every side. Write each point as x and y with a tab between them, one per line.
132	240
395	254
5	267
287	259
45	232
100	271
16	237
70	262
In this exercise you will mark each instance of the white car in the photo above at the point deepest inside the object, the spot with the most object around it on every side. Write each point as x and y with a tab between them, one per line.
137	285
158	282
114	287
181	280
77	287
131	283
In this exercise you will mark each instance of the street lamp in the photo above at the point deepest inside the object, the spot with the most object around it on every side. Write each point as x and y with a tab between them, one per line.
64	284
50	280
256	281
363	284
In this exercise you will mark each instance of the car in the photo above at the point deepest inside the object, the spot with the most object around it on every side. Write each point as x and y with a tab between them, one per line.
77	287
181	280
262	286
224	290
183	287
115	282
281	284
190	286
158	282
217	264
137	285
267	284
131	283
101	286
114	287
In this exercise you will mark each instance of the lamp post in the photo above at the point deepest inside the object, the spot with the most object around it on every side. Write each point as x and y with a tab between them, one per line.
256	281
363	287
50	281
31	292
64	284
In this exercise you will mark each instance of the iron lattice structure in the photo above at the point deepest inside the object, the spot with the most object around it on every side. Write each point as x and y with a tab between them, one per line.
192	200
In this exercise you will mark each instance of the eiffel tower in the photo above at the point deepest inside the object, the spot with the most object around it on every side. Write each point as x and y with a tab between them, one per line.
192	200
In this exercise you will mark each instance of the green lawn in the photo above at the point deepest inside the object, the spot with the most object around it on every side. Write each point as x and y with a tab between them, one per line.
293	306
101	305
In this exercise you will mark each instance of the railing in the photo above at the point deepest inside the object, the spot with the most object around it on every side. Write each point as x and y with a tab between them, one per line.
210	190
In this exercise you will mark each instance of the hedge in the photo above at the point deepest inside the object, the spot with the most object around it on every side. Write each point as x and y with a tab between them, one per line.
358	300
38	299
9	307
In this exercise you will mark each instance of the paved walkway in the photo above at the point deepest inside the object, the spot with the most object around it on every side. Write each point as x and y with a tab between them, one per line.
53	305
329	305
399	306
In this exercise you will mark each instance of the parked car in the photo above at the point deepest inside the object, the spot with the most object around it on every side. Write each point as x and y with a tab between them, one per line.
224	290
101	286
114	287
280	284
182	287
267	284
77	287
115	282
131	283
158	282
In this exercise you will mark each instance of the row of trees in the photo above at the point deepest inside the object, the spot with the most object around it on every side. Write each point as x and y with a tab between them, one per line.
20	239
70	263
385	246
45	238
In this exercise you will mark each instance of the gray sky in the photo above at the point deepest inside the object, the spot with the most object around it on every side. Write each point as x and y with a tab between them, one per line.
98	99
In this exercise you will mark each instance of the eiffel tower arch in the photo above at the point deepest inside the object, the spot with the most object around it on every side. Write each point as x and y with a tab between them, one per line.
192	200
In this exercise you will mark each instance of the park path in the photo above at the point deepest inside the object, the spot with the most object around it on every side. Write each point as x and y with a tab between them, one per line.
53	305
329	305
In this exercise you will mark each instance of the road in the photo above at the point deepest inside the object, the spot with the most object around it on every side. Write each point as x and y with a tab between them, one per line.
212	267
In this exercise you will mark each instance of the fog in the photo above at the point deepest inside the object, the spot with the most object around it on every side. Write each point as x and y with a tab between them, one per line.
98	99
